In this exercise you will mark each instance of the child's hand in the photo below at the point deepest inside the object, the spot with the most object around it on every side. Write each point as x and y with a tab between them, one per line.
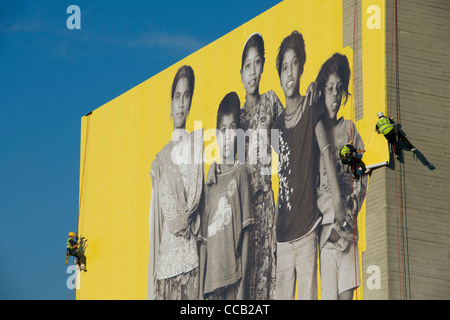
214	170
343	216
340	219
312	94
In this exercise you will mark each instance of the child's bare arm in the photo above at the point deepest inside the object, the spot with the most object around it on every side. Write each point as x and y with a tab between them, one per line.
244	260
323	143
202	269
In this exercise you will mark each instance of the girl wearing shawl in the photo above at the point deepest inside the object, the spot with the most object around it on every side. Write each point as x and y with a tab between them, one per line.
177	184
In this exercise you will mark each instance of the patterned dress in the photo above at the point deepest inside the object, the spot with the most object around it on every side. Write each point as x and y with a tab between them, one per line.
258	158
176	194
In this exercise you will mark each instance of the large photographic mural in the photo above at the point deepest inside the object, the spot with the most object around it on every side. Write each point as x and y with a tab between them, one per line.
232	174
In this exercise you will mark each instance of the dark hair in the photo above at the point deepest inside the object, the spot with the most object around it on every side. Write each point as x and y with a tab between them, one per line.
184	72
295	42
255	40
339	65
230	104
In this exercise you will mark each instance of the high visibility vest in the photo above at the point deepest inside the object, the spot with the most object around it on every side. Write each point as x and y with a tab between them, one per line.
69	246
345	150
385	126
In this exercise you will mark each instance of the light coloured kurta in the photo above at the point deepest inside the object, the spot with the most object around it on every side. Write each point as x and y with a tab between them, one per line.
177	183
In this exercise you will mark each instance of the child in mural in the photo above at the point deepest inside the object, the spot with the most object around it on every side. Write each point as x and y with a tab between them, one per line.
301	136
177	184
257	117
339	265
226	215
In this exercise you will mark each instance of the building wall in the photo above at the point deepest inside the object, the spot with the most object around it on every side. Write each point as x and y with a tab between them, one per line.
376	231
406	237
407	207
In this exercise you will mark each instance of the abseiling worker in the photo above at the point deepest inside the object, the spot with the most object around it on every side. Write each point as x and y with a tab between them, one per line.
349	158
387	127
73	245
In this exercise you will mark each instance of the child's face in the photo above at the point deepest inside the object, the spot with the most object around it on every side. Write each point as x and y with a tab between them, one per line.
227	138
290	74
251	71
333	95
181	103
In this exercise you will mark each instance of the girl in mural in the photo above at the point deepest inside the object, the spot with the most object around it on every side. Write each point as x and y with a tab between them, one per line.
259	112
177	184
339	265
301	136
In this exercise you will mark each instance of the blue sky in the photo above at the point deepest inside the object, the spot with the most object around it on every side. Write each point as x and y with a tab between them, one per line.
50	77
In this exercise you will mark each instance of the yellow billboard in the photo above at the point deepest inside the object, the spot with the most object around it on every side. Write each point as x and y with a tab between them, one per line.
171	213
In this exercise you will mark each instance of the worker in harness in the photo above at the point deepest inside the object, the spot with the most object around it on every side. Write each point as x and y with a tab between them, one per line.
349	158
73	250
389	129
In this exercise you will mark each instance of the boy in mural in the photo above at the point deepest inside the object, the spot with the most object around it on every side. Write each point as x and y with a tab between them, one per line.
301	136
339	266
226	215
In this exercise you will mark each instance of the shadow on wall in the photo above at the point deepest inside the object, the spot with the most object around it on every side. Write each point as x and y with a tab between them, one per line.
417	155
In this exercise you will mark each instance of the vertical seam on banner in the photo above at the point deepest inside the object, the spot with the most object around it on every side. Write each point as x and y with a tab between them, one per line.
88	121
352	112
81	191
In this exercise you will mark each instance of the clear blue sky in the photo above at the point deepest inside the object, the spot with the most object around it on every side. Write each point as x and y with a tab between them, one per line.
50	77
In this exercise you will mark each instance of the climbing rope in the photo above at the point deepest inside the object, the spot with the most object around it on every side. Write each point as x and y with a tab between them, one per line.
398	174
88	120
353	118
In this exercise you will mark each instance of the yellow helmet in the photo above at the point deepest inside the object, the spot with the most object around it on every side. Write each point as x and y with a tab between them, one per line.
71	234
